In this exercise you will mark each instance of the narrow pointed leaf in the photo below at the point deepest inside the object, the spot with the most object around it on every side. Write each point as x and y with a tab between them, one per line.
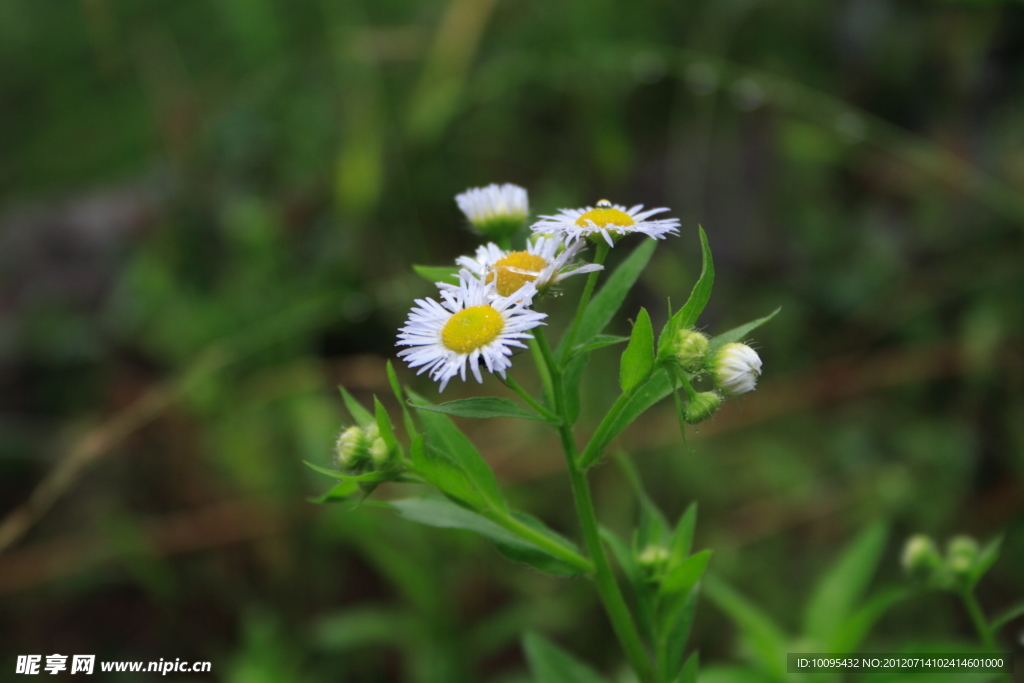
850	634
571	378
551	664
607	301
682	538
338	493
768	642
345	476
482	407
448	274
986	558
688	674
738	334
396	388
598	342
360	414
638	358
687	316
387	430
840	589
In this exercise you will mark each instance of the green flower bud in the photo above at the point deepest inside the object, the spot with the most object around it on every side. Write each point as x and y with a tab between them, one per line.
689	350
351	448
961	554
701	407
921	557
652	560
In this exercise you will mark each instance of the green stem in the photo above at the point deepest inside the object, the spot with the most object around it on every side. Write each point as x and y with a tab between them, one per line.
531	401
604	579
530	534
978	617
588	289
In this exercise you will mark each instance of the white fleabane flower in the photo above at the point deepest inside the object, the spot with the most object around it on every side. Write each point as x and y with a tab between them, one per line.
736	368
497	211
471	324
541	263
607	220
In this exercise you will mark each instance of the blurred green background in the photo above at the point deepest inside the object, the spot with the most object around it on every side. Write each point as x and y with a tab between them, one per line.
208	211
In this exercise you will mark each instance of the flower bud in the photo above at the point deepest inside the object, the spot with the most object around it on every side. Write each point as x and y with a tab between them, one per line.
736	368
701	407
961	554
921	558
652	560
351	448
496	211
689	350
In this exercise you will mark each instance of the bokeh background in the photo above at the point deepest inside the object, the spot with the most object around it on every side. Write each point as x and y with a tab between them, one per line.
208	210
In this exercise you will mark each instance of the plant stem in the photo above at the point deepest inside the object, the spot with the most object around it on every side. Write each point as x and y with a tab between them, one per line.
543	542
974	609
588	289
542	369
607	587
531	401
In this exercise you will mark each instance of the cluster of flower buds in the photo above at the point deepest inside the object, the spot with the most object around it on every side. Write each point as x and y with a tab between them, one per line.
360	449
734	369
923	562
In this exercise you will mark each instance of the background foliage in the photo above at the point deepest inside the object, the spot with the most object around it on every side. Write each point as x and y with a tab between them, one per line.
207	214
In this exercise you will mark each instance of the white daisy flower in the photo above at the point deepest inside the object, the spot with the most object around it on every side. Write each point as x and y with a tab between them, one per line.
470	325
496	210
736	368
608	220
541	263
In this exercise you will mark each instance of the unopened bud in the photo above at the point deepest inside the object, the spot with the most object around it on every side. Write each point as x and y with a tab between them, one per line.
961	554
701	407
351	448
652	559
497	211
921	557
736	368
689	350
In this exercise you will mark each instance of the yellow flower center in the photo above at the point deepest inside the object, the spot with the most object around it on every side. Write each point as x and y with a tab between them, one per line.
472	328
514	270
603	217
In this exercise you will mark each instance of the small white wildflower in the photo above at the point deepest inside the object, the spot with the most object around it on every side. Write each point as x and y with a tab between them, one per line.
471	324
736	368
544	263
608	221
498	211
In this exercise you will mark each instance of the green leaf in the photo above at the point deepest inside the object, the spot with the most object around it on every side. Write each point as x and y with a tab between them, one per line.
483	407
688	674
443	472
768	642
359	413
986	558
446	437
643	594
682	538
838	591
656	388
344	476
598	342
638	358
448	274
1007	616
339	492
571	378
653	528
396	388
387	430
442	513
679	592
738	334
850	634
687	316
606	302
551	664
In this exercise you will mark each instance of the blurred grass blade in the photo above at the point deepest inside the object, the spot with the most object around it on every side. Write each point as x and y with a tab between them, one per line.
551	664
986	558
767	640
850	634
434	274
838	591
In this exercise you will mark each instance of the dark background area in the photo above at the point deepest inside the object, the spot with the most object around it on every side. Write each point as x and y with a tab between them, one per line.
208	211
